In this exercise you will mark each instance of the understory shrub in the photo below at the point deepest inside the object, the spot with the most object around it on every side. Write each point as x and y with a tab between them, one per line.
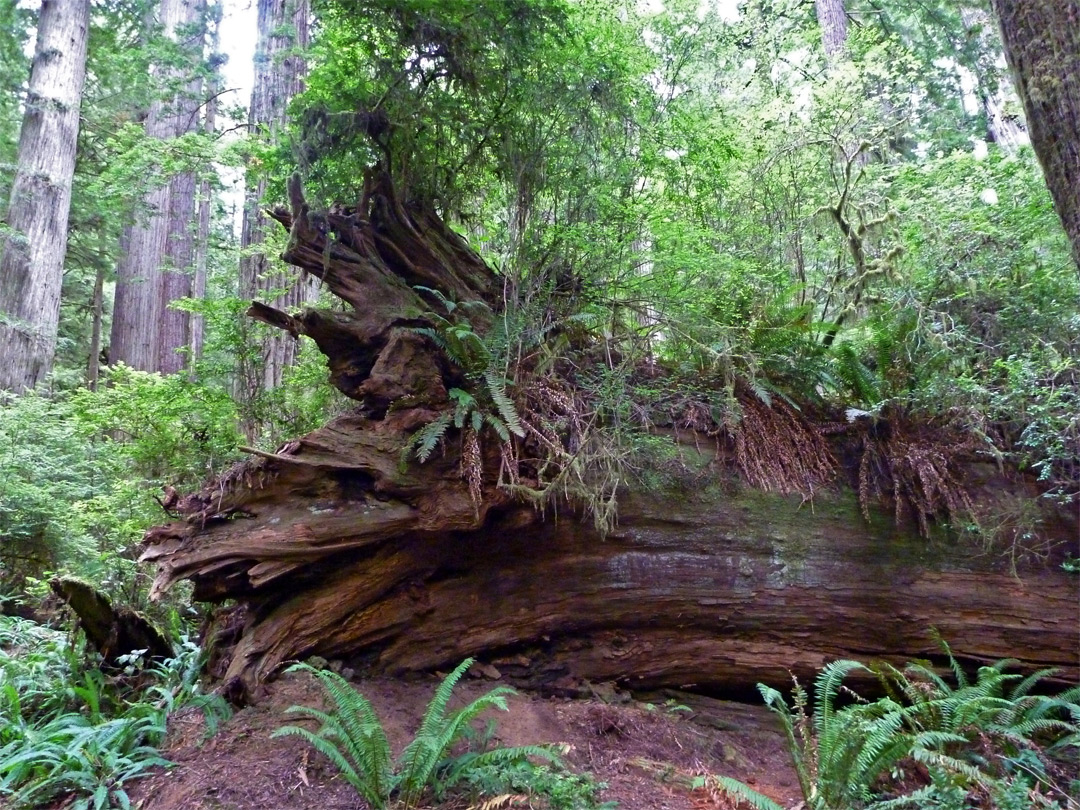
79	472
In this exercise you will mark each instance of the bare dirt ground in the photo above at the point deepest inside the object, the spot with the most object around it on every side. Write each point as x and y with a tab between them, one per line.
644	752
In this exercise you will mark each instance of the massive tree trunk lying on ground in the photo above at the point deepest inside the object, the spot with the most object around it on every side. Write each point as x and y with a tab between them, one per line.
332	546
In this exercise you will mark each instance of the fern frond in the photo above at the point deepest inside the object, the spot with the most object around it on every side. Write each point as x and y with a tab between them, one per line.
467	348
424	441
1025	686
497	388
919	671
353	731
417	762
920	798
958	671
882	744
434	335
476	305
465	403
826	690
776	703
449	303
498	426
928	757
331	752
744	793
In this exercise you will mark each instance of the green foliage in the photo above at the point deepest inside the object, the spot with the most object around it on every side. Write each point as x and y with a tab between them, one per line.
480	359
978	738
548	787
352	737
78	471
70	731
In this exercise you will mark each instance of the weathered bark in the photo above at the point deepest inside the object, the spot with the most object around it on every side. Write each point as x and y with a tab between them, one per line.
113	632
832	18
1006	130
202	239
97	309
333	547
1042	45
283	33
716	589
34	241
154	267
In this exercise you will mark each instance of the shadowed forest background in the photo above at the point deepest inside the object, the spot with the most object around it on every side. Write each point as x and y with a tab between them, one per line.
537	312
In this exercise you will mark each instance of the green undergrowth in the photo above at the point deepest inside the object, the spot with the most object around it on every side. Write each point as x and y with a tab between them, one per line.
930	742
73	732
432	765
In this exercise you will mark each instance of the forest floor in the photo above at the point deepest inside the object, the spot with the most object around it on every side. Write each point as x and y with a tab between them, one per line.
646	753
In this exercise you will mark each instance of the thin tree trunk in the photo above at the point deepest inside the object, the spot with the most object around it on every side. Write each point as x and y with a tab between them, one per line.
34	242
97	306
1042	46
283	31
202	240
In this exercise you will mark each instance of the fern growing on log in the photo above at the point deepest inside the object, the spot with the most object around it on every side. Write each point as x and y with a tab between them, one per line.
487	404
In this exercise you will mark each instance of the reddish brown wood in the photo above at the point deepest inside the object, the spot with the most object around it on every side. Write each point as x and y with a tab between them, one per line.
332	546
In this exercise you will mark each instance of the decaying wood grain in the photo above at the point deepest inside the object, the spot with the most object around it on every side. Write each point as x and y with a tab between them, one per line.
332	546
113	632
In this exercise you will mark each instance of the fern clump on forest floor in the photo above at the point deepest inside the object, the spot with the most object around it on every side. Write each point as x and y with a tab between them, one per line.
927	744
68	731
354	740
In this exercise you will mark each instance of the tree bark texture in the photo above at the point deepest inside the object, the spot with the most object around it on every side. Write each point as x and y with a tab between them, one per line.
113	632
332	546
283	34
33	240
155	266
832	18
1004	129
202	236
1042	45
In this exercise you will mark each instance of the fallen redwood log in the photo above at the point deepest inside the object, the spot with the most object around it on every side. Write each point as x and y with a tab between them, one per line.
709	588
333	546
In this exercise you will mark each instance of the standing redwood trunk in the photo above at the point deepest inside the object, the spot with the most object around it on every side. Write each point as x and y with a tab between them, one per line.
153	269
1001	128
1042	45
97	309
283	33
833	21
32	251
205	203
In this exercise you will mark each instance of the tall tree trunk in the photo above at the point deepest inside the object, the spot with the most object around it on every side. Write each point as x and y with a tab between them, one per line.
833	21
1042	45
153	269
283	33
202	237
35	241
97	311
1001	128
